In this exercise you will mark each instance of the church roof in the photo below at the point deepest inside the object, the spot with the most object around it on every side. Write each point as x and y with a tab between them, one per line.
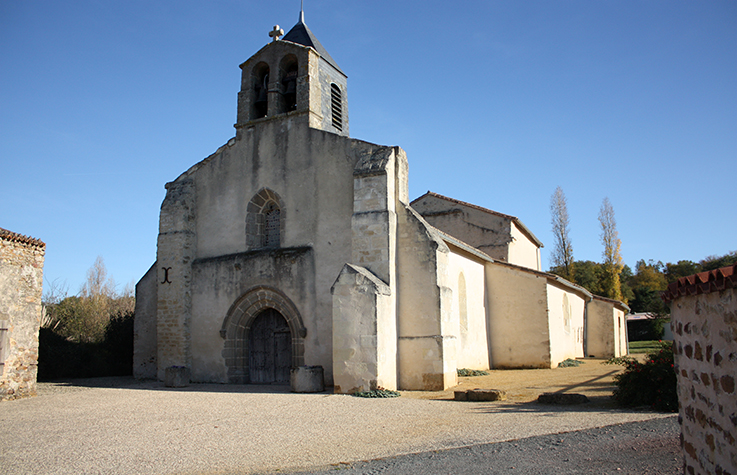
516	220
302	35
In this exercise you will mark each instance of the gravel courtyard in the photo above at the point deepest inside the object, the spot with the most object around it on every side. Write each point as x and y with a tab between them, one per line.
123	426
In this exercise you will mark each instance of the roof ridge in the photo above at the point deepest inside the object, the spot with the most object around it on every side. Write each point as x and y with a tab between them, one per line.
302	35
480	208
702	283
10	236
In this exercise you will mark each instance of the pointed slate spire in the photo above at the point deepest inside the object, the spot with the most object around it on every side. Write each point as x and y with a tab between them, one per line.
302	35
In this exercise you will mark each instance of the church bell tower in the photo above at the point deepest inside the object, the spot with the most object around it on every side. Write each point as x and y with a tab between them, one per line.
293	76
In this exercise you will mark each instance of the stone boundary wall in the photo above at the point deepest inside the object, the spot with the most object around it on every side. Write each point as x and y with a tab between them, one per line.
704	323
21	279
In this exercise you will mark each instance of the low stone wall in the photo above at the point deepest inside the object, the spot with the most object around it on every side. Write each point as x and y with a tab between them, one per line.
704	323
21	278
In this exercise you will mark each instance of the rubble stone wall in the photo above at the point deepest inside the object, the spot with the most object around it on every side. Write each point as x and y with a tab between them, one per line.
705	330
21	279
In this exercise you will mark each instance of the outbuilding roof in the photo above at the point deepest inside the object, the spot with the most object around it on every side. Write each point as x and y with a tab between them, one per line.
702	283
10	236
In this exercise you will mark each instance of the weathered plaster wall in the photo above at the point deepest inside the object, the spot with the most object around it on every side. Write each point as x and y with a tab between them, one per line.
426	325
364	332
21	281
496	234
518	319
469	310
312	173
566	313
220	281
522	251
145	347
490	233
705	327
606	329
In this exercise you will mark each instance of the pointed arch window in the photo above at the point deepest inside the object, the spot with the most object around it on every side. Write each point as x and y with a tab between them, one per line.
336	106
264	220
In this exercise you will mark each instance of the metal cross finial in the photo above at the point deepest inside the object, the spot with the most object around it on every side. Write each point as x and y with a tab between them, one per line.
276	33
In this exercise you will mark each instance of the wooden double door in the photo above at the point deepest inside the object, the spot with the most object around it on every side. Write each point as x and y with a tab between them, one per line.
270	349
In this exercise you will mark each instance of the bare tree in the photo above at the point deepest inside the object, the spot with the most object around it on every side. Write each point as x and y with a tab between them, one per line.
85	317
613	265
561	259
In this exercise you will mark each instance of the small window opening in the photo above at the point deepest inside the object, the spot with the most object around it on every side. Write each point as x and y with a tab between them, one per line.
336	99
3	343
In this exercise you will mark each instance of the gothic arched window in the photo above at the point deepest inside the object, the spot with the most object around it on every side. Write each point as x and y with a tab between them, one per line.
264	220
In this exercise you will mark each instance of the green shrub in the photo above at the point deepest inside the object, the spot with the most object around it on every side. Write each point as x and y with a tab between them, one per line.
567	363
471	372
377	393
652	383
59	357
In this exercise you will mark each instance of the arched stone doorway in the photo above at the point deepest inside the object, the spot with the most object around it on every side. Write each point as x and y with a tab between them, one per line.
261	314
270	348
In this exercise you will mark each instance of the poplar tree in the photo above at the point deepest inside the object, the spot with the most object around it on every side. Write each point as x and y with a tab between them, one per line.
561	259
611	285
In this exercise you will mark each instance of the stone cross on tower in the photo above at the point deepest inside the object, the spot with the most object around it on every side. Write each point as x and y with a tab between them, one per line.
276	33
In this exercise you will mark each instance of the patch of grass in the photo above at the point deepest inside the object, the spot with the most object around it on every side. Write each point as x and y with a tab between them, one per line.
567	363
646	346
377	393
471	372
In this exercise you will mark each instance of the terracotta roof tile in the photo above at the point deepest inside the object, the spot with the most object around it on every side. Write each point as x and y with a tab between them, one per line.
10	236
702	283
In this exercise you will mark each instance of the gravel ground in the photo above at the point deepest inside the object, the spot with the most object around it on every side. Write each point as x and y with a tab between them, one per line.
121	426
636	448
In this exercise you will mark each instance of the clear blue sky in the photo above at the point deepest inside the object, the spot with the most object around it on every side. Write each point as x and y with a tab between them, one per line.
496	103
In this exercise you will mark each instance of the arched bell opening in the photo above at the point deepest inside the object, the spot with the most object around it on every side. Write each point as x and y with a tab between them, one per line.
260	87
288	72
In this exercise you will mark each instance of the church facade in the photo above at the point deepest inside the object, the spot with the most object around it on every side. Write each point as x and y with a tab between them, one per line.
294	244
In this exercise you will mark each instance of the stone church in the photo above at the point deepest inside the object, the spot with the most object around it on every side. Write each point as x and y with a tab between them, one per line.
296	245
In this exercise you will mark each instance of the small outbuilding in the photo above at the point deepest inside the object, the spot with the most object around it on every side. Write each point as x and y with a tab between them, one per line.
21	280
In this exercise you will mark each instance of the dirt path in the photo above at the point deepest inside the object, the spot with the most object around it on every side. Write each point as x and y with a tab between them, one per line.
592	378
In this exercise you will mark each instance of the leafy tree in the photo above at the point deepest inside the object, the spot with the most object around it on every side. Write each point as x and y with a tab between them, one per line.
674	272
613	266
561	257
715	262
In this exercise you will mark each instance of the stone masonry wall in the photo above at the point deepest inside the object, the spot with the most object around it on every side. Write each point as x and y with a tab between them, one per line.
176	251
704	322
21	279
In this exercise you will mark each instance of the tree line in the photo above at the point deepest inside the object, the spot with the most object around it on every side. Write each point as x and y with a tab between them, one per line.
639	288
88	334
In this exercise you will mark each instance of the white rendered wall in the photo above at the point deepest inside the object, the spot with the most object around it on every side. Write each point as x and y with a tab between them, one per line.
469	311
565	310
522	251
